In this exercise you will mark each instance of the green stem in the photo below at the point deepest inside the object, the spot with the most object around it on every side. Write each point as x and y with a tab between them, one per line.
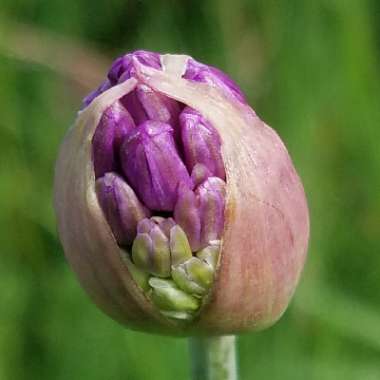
213	358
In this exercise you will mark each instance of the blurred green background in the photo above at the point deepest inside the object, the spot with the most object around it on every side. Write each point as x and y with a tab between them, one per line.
309	68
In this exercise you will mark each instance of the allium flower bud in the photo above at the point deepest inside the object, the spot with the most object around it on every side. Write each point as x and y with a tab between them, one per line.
179	209
201	143
151	164
201	212
113	126
121	207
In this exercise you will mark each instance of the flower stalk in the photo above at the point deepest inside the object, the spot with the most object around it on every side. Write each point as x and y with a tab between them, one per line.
213	358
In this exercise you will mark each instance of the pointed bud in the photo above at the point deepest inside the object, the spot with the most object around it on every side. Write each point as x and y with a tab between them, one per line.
158	107
211	196
200	213
199	174
167	296
194	276
161	252
150	252
179	246
210	254
166	225
134	107
186	214
114	124
201	142
185	282
200	272
151	163
145	225
120	206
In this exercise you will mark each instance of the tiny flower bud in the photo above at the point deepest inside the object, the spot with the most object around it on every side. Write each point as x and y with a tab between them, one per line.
179	246
121	207
201	143
199	174
187	215
211	195
152	165
158	107
201	212
194	276
151	252
167	296
210	254
115	123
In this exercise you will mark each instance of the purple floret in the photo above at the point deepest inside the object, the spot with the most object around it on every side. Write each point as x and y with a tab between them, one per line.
152	165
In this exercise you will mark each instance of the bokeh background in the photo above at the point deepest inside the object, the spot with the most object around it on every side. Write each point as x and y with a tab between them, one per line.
309	68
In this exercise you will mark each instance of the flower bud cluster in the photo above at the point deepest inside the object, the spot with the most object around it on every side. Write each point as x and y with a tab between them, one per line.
160	181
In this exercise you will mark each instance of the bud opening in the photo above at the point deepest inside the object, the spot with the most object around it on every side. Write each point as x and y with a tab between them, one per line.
161	186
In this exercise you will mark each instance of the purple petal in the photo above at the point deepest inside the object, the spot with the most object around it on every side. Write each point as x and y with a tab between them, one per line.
113	126
120	206
151	163
203	73
201	142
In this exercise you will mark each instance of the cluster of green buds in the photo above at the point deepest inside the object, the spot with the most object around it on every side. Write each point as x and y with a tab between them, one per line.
178	208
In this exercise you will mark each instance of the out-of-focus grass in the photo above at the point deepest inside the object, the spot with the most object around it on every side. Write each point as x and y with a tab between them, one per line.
310	69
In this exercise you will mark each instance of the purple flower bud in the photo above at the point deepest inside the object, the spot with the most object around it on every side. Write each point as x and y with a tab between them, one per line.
158	107
186	214
201	142
151	163
134	107
120	206
110	132
200	213
151	250
165	224
211	195
199	174
145	104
